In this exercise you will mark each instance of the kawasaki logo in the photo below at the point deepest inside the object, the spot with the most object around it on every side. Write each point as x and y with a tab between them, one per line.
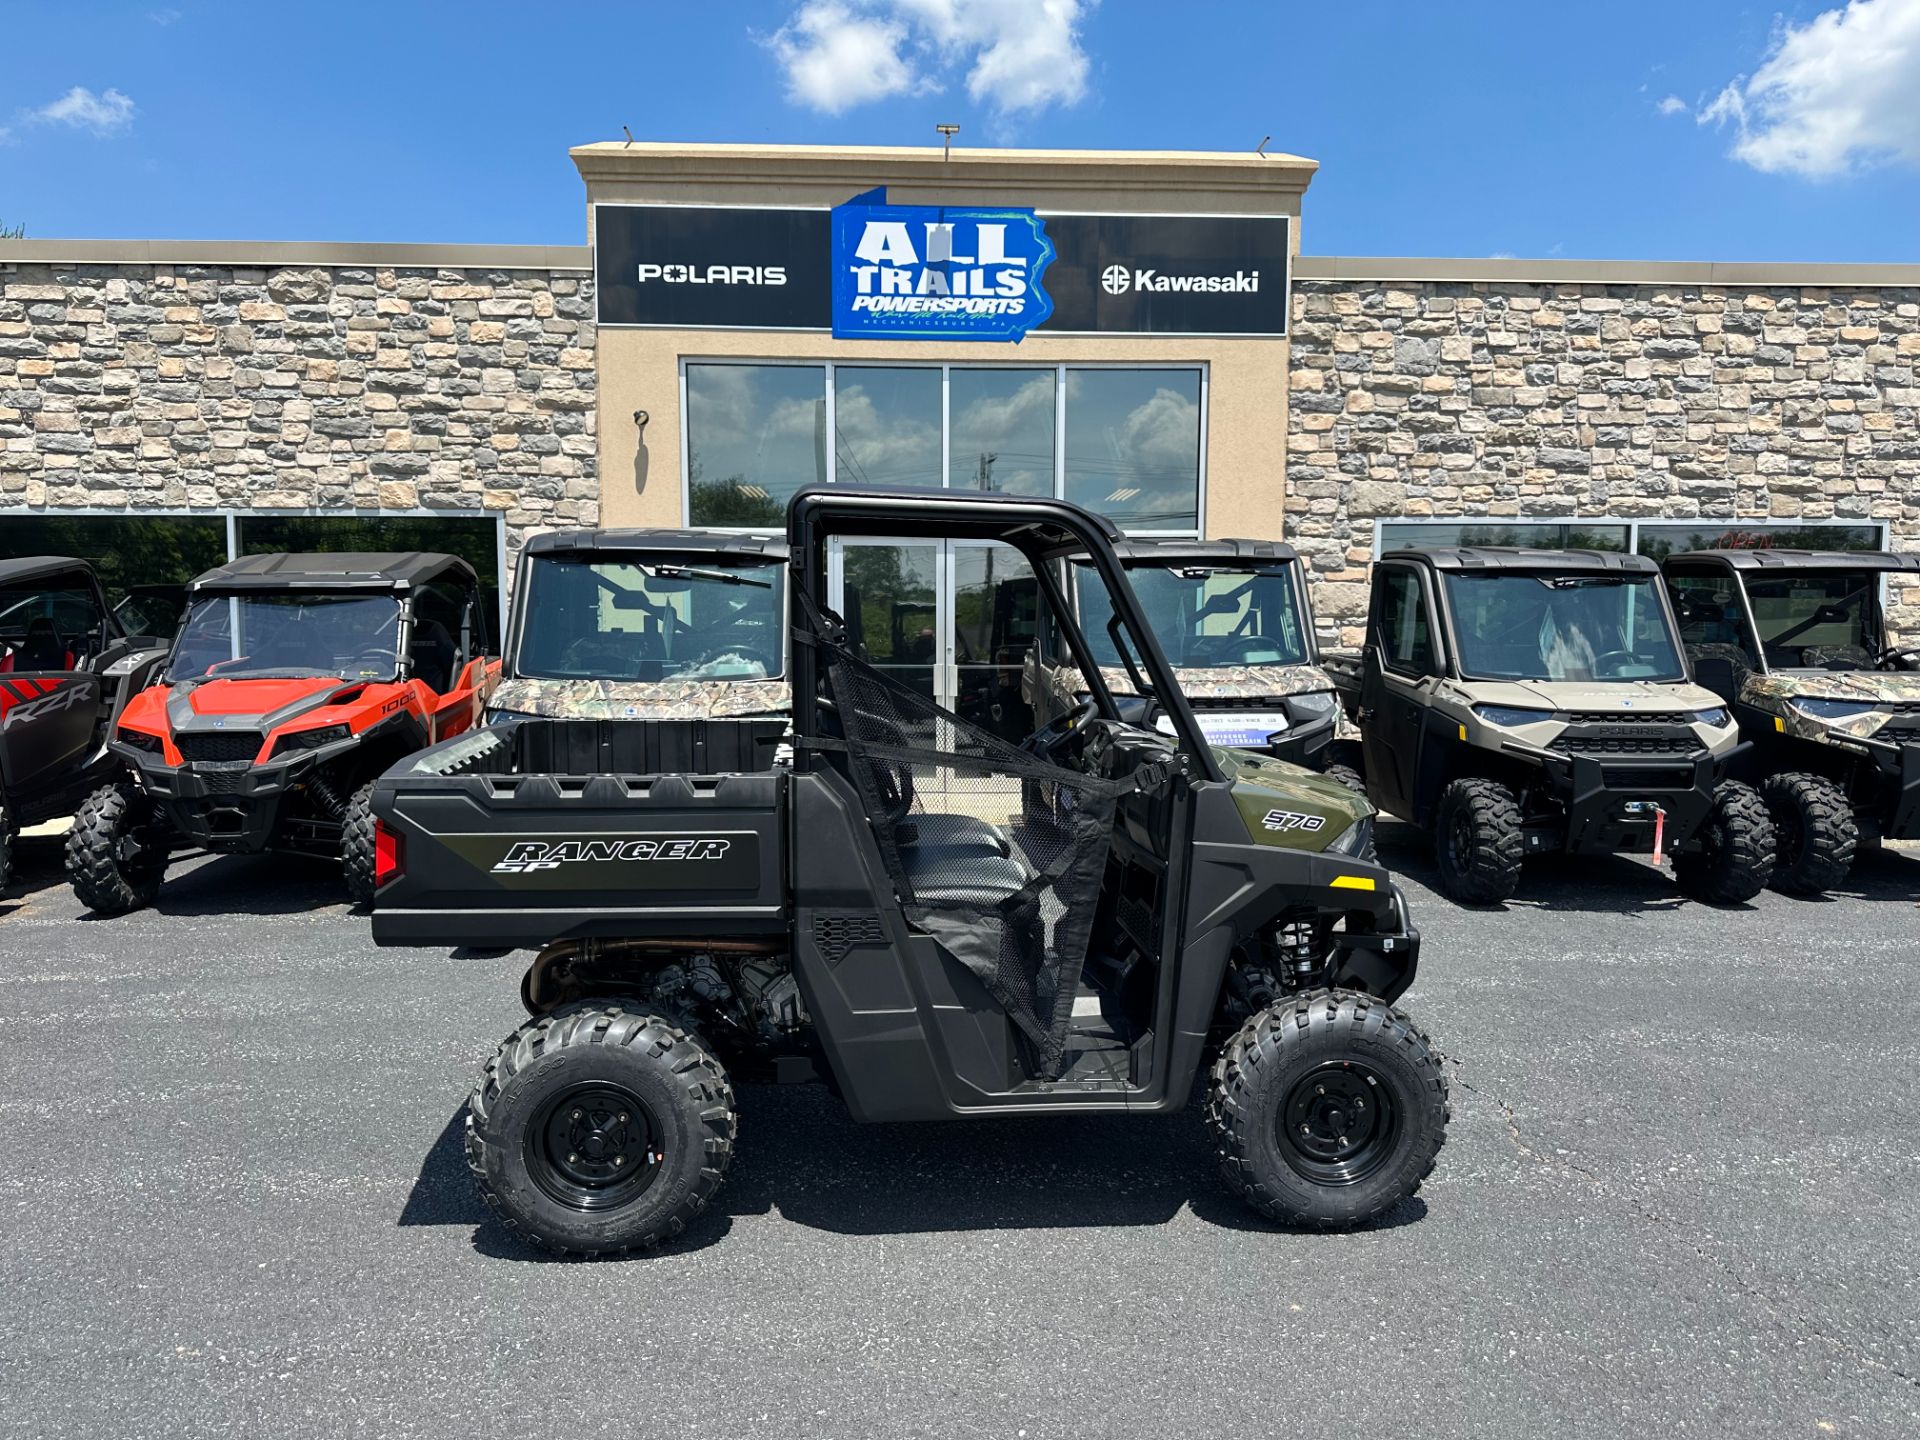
532	855
714	274
1117	280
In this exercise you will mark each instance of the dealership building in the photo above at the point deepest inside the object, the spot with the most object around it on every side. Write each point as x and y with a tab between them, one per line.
1138	332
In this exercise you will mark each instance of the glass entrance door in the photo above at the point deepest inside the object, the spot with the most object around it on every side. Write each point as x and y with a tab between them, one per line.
952	620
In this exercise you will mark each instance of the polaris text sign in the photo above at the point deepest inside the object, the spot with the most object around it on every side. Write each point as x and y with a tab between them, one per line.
874	271
937	272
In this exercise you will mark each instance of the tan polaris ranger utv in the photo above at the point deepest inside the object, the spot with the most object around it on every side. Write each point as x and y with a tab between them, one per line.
1796	642
1234	620
1522	702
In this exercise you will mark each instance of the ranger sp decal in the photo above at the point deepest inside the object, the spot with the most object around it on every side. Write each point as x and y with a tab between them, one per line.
528	856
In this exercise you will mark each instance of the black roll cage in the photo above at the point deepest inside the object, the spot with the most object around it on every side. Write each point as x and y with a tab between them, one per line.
1044	530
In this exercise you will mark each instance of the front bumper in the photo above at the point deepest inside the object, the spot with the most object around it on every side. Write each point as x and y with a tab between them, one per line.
1615	806
1382	960
231	806
1899	782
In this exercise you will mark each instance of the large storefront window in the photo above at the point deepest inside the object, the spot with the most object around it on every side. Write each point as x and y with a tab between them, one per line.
1133	446
1660	541
886	425
475	539
1528	535
144	561
1132	443
755	435
1002	425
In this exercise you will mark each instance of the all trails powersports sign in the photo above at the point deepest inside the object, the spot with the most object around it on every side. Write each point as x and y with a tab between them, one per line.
870	270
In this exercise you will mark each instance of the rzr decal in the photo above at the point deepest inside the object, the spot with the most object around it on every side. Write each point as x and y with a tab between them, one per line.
40	697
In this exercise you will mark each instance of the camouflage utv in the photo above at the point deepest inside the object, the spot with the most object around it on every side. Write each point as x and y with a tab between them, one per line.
1796	642
1234	620
1527	702
648	625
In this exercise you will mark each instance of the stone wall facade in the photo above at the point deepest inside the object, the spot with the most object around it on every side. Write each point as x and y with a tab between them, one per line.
1577	400
215	387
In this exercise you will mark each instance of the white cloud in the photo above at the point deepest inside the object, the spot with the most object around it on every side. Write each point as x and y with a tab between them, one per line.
1672	105
1017	55
1837	94
836	58
108	113
163	18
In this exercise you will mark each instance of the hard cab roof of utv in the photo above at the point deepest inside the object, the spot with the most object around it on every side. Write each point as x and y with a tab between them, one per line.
1479	559
1206	552
718	543
28	568
1783	560
345	570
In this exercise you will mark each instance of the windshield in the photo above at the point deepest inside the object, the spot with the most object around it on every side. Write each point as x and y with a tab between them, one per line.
353	636
702	619
1827	620
1562	627
1205	617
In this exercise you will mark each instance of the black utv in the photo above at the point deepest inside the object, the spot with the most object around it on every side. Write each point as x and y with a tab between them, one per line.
884	912
66	669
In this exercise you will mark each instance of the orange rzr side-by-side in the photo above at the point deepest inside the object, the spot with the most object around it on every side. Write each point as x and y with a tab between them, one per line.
293	682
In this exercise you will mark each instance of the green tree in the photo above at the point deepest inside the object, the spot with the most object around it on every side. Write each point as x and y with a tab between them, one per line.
12	232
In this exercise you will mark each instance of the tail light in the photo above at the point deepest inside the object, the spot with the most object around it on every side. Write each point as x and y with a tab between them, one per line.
389	854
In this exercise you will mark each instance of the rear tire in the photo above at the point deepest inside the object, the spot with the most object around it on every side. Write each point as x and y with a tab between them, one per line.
1478	841
1814	830
357	846
1736	857
596	1130
1328	1109
116	851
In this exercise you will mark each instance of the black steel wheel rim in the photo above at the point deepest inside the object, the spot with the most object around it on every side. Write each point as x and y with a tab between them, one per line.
596	1146
1790	834
1339	1124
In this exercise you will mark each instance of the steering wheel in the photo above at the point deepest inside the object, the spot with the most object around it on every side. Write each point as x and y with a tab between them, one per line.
1241	650
1611	662
753	657
1043	742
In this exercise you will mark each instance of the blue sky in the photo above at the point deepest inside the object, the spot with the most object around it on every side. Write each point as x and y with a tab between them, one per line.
1679	130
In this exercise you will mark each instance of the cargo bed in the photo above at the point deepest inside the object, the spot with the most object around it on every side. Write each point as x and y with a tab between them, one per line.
543	830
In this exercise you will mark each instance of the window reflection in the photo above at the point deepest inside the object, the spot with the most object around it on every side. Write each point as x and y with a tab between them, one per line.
1001	423
886	423
1133	446
754	437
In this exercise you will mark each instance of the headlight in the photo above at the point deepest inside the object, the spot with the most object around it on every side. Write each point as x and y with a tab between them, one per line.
310	739
139	740
1716	717
1832	709
1508	716
1359	835
1314	704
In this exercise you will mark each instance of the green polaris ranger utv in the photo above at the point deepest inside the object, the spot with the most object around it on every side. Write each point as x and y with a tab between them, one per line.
1796	642
884	911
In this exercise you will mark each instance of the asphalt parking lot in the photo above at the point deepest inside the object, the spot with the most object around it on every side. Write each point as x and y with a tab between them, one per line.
1681	1196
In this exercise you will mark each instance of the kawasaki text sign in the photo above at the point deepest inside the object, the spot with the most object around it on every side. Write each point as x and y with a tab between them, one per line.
937	272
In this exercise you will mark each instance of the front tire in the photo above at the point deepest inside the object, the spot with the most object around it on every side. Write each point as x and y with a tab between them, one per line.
596	1130
357	846
116	851
1814	830
1478	842
1328	1109
1736	855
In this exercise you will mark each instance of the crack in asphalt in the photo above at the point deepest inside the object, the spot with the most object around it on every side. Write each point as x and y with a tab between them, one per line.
1798	1326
